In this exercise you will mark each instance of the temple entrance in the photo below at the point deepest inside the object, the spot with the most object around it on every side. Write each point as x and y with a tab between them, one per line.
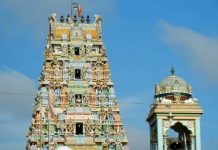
179	138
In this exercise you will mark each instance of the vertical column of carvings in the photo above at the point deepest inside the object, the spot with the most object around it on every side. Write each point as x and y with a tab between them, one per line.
54	95
111	128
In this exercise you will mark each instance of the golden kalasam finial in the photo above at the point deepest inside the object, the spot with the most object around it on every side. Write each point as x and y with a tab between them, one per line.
172	71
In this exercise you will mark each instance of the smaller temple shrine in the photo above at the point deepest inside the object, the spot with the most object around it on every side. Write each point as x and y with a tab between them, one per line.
174	118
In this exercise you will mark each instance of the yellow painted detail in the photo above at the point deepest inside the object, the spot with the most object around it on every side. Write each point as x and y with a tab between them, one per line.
58	33
94	33
83	148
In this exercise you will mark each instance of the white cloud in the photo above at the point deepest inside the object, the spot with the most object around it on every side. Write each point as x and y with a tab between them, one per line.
15	109
196	49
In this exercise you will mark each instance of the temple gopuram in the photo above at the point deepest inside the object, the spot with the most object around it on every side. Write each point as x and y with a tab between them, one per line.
76	107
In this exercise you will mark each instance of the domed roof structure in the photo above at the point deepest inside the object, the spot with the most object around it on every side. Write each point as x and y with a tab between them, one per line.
173	85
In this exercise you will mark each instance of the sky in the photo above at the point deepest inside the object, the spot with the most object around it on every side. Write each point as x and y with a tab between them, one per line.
143	38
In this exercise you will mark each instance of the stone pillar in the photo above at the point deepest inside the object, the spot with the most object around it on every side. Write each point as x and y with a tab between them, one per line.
165	141
192	141
160	134
198	134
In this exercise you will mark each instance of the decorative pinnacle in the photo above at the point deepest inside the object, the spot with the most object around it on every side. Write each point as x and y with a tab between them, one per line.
172	71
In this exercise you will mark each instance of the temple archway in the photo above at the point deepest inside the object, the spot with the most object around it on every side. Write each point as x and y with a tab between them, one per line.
178	137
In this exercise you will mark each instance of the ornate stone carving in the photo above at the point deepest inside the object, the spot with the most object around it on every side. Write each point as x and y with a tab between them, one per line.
72	72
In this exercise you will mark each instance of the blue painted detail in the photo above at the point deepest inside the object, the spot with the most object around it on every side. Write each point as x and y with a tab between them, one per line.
160	134
198	134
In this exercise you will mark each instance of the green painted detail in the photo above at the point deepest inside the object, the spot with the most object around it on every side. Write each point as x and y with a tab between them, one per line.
194	115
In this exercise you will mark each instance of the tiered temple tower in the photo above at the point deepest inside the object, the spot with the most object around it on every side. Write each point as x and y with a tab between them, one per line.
174	118
76	106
